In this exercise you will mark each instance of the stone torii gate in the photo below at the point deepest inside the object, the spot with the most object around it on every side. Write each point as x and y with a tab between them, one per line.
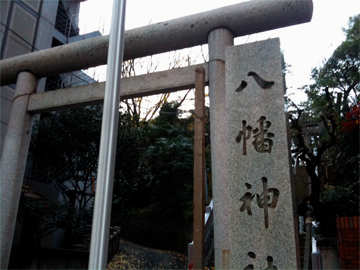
217	28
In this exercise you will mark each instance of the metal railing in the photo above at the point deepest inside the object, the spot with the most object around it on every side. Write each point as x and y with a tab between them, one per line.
66	23
209	237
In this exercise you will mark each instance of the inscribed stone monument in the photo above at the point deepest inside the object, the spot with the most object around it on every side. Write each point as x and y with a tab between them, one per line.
261	231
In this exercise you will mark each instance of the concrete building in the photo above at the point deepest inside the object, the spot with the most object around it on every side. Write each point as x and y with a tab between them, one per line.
28	26
32	25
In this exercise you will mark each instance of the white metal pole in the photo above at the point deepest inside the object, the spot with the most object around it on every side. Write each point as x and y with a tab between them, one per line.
105	176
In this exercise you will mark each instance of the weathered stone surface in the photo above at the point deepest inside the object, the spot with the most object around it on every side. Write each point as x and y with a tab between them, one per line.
241	19
261	234
219	39
138	86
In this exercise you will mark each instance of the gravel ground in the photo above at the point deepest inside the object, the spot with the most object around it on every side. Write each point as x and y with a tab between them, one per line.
133	256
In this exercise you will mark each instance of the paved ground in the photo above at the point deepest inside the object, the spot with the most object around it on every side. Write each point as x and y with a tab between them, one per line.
133	256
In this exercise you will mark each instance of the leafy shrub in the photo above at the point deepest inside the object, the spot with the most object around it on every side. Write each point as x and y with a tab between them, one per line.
341	202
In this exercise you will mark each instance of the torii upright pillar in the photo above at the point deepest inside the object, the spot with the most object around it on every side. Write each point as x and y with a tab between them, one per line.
218	40
13	161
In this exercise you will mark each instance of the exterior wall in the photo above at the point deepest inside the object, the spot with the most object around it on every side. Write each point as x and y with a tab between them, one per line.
348	242
26	26
19	30
329	258
45	31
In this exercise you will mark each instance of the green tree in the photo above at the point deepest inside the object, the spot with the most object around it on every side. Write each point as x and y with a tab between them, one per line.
334	91
153	170
158	191
47	217
337	81
64	154
131	169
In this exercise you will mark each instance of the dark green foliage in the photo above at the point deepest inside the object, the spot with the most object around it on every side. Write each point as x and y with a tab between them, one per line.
153	171
64	152
339	202
171	162
168	114
155	190
49	216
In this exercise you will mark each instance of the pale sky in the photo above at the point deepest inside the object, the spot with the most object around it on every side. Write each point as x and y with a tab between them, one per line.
305	46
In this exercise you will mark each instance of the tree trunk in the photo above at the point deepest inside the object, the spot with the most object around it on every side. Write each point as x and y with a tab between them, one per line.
315	188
